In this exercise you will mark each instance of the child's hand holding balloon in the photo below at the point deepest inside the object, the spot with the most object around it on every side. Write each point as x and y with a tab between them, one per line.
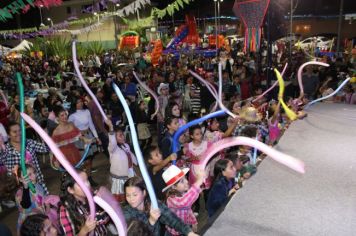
25	180
154	216
89	226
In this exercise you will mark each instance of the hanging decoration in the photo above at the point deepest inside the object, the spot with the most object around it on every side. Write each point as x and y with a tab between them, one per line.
132	8
170	9
141	23
252	13
156	52
83	30
23	6
58	28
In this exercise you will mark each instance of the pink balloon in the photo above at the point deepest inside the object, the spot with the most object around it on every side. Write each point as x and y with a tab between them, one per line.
61	158
84	84
222	106
210	87
4	98
280	157
106	200
154	95
274	85
300	71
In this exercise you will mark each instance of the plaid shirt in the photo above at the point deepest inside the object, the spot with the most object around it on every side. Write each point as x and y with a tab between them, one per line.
167	218
182	207
263	131
11	157
68	227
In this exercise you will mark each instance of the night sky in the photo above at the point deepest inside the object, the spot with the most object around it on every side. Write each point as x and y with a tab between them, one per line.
205	8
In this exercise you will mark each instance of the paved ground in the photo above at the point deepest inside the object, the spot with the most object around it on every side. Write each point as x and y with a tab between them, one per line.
278	201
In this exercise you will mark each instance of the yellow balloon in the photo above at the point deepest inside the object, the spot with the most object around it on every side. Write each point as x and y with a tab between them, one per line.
291	114
353	80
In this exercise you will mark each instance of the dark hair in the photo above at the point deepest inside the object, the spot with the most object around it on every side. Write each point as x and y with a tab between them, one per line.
10	124
118	128
168	121
232	157
69	201
219	167
138	228
193	128
249	131
168	112
19	170
73	105
57	110
147	152
33	225
139	183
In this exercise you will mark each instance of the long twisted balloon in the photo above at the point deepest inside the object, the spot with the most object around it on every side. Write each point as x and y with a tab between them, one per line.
280	157
274	85
84	83
210	87
106	200
23	130
62	159
330	95
137	149
300	71
154	95
181	130
288	111
222	106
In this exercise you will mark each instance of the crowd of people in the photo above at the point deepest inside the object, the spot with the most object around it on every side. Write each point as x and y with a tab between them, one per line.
56	100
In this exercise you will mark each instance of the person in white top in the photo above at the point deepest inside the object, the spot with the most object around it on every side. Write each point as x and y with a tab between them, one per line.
122	161
81	118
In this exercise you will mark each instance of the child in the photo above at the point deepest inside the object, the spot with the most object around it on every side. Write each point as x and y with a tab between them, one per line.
156	165
27	201
163	91
194	152
223	186
37	225
142	120
180	197
139	207
174	111
74	212
171	125
121	161
252	118
213	133
243	172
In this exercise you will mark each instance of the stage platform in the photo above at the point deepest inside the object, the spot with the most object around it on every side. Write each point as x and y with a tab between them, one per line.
278	201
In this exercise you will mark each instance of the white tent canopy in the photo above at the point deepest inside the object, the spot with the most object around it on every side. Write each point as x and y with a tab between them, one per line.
4	50
22	46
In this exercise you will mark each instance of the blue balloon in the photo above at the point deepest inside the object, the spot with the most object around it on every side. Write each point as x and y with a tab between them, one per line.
181	130
255	153
330	95
137	149
86	151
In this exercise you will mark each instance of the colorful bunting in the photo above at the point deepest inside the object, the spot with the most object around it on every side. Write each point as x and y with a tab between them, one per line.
18	6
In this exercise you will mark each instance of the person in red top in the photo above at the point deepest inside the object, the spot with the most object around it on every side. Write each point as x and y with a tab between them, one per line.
181	197
65	135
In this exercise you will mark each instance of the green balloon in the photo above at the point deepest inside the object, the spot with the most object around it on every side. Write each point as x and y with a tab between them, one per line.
23	130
